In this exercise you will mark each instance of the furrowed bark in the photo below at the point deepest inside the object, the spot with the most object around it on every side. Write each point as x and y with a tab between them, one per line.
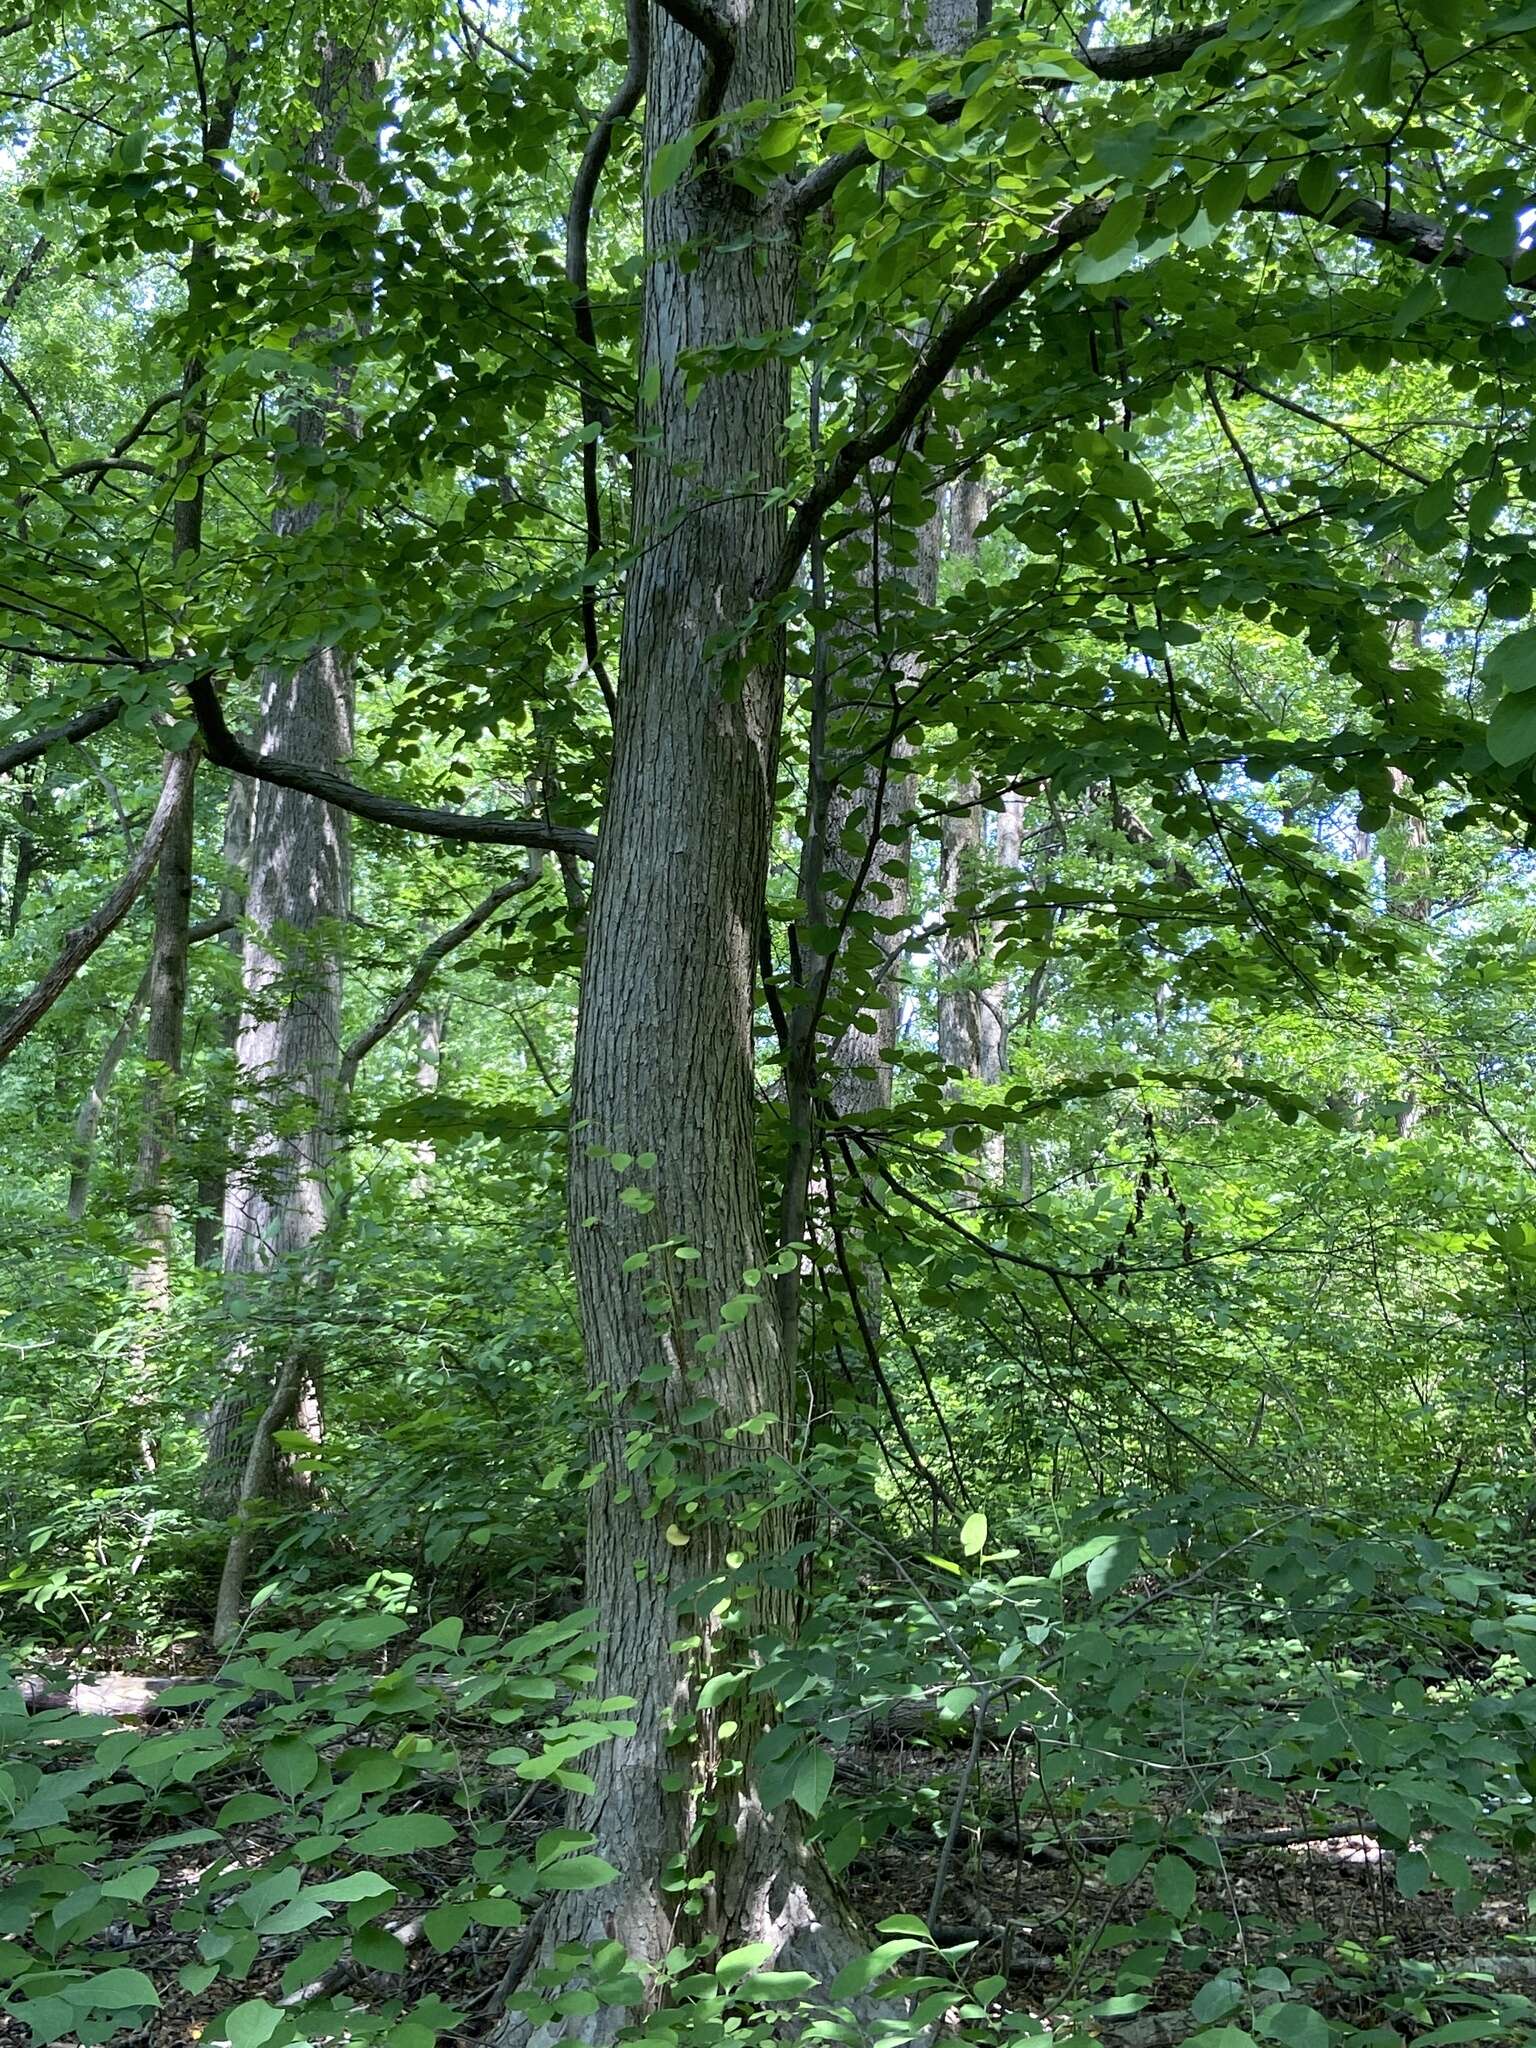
664	1058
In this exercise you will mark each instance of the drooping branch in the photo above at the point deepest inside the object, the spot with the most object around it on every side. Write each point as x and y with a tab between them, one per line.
226	751
578	234
81	943
717	38
401	1005
80	727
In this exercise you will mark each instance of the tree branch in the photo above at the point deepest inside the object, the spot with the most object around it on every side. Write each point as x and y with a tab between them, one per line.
400	1007
1413	235
81	943
226	751
716	37
943	350
80	727
1159	57
578	230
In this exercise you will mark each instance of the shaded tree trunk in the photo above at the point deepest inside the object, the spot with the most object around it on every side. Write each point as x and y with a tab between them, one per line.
163	1050
664	1068
213	1177
298	894
82	1148
959	950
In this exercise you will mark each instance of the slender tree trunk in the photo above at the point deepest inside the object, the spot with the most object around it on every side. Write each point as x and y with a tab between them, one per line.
664	1069
430	1026
288	1045
993	1007
163	1049
213	1179
82	1149
959	950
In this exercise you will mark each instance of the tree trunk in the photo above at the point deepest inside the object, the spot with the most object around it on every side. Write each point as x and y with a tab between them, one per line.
959	951
664	1071
213	1178
298	893
163	1049
993	1007
82	1148
288	1046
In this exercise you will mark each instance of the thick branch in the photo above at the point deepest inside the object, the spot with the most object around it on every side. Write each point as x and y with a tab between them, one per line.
943	350
80	727
717	39
401	1006
81	943
226	751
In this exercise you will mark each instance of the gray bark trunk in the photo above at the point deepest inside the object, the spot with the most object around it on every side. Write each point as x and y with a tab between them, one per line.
82	1149
288	1046
664	1065
213	1180
163	1049
959	950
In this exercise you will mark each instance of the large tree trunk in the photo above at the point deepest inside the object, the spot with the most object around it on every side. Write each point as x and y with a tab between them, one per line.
664	1070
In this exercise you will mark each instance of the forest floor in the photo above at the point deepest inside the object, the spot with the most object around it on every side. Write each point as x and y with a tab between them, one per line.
1043	1916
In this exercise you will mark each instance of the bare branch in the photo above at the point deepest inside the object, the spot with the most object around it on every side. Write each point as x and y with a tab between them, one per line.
80	727
81	943
400	1006
226	751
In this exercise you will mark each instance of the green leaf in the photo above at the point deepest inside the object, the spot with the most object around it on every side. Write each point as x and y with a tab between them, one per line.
1511	667
375	1948
291	1763
402	1834
858	1975
113	1991
445	1925
1512	730
1174	1886
669	163
252	2024
772	1984
812	1781
1108	1572
443	1635
737	1963
1297	2026
1215	2000
1477	289
577	1874
973	1535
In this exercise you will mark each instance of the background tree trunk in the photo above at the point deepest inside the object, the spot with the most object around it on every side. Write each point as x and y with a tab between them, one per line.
298	894
664	1060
